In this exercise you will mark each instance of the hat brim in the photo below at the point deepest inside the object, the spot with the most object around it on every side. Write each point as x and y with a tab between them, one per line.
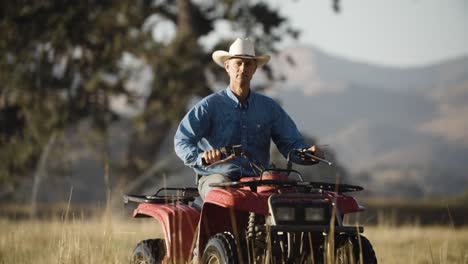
220	56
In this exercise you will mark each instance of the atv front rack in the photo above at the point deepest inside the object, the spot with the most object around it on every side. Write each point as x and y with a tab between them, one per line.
311	228
339	188
165	195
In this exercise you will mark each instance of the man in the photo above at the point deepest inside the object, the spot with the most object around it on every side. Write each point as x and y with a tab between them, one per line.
234	116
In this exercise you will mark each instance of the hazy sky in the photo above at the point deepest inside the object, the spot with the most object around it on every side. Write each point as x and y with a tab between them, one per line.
390	32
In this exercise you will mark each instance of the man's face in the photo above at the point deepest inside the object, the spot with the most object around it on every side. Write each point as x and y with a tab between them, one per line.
240	70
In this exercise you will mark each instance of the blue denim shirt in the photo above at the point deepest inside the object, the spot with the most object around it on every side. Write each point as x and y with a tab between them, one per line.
220	120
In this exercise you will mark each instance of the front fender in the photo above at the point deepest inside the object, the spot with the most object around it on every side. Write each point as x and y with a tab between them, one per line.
346	204
179	223
239	199
218	219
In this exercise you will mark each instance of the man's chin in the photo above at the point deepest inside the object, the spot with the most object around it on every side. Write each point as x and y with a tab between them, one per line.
243	80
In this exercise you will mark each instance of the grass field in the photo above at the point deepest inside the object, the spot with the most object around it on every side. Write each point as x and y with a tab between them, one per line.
112	241
76	241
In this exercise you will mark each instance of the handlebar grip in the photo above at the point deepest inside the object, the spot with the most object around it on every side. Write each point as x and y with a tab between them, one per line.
204	163
226	152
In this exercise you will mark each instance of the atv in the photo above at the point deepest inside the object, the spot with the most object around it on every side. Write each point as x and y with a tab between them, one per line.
276	217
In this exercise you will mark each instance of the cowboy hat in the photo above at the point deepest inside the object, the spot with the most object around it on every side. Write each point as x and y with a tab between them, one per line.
241	48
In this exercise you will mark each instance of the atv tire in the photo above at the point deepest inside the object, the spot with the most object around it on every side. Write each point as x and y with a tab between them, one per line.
349	251
150	251
220	249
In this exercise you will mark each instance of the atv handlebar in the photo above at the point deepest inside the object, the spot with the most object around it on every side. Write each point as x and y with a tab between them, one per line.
231	152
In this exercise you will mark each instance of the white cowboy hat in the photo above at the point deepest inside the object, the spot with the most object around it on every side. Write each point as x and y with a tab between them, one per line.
241	48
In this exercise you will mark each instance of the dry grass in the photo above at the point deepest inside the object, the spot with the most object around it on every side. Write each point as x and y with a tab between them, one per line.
76	241
106	241
414	244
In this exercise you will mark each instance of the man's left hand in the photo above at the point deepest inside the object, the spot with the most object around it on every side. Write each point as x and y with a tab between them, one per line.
317	152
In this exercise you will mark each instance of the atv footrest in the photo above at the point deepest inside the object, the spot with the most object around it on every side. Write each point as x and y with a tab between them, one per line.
310	228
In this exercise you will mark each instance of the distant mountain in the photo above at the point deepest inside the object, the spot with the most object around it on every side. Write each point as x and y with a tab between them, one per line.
405	129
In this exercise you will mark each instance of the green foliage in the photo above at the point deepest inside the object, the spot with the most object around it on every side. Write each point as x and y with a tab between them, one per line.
61	62
53	62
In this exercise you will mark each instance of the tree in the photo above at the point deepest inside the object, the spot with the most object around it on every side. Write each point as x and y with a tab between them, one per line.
57	63
62	62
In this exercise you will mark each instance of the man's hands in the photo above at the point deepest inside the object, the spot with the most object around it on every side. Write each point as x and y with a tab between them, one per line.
212	155
317	152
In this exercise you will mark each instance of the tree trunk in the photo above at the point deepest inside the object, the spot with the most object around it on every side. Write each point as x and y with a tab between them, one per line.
185	21
40	172
165	107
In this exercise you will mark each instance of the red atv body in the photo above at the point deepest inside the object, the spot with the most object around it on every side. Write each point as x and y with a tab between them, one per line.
268	219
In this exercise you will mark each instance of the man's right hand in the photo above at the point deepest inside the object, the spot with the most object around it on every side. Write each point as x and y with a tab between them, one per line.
211	156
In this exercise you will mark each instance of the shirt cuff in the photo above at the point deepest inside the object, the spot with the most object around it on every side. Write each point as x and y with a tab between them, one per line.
199	162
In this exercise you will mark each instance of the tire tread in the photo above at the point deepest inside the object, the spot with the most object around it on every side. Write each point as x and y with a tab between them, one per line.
156	248
228	244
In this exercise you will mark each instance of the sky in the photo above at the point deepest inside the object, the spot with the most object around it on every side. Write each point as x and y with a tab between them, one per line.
402	33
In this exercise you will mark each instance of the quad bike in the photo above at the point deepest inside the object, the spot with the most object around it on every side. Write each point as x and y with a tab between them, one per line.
266	219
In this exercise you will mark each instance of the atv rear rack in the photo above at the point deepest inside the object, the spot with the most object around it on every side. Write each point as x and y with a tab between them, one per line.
164	196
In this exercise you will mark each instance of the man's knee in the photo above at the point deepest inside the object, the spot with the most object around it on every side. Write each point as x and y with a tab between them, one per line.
205	181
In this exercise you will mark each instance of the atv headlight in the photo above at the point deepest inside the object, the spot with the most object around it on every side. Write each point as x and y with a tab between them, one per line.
314	214
299	209
285	214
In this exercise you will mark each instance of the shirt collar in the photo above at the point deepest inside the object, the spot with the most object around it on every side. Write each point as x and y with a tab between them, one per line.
238	104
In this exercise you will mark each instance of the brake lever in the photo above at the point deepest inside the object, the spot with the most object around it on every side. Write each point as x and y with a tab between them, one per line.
312	156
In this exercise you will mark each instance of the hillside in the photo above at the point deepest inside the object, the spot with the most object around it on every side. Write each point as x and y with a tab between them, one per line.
403	130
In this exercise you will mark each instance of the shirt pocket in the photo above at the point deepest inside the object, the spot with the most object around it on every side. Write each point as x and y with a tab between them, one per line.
260	132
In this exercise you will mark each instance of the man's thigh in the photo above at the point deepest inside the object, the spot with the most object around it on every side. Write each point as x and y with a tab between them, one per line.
205	181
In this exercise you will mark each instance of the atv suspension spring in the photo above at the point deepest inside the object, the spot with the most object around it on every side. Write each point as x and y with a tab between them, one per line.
251	226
